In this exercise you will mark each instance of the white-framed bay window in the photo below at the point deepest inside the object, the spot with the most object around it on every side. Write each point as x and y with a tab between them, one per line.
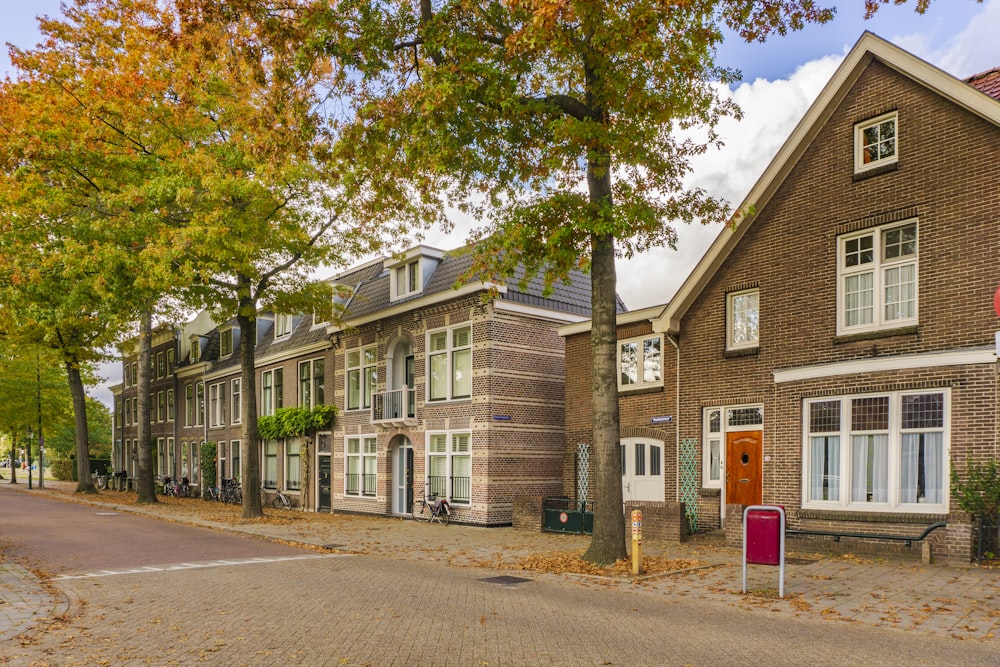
449	466
449	353
877	452
877	278
361	466
640	362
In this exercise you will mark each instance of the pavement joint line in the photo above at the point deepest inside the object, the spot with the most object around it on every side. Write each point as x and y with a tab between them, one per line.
147	569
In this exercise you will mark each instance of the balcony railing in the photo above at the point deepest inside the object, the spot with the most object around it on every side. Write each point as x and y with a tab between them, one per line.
460	488
397	406
360	485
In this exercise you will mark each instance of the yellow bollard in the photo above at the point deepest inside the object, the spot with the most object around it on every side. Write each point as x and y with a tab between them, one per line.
636	542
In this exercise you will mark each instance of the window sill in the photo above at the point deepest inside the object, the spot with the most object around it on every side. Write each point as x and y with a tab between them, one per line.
911	330
875	171
860	516
741	352
632	390
710	492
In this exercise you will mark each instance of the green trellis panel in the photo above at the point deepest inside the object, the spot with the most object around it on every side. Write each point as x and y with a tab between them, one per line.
690	481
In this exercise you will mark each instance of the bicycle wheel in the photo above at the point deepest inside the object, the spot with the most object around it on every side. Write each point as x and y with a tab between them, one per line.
237	496
277	504
444	517
421	512
102	482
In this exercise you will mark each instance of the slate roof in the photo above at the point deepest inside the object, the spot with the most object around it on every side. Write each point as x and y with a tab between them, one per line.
987	82
372	285
303	334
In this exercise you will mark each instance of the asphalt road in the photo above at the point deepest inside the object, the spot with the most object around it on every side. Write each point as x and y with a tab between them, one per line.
245	607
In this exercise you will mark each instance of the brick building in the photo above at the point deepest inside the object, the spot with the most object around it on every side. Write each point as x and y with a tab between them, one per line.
836	348
452	390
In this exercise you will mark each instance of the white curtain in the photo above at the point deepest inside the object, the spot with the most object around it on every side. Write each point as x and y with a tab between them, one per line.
869	468
933	451
824	462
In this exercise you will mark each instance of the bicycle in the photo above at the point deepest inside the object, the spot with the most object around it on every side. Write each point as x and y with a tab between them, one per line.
280	500
102	482
231	492
432	509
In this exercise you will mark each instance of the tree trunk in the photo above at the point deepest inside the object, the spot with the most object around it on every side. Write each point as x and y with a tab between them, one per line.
607	544
146	487
13	456
249	445
84	484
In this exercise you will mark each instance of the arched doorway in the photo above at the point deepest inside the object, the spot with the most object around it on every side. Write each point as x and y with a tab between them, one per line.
402	474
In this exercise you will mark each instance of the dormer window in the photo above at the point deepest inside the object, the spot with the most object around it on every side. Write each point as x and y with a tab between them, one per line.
875	142
282	325
195	350
226	343
406	279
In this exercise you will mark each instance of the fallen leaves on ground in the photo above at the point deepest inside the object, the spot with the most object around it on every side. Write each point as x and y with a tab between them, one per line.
571	562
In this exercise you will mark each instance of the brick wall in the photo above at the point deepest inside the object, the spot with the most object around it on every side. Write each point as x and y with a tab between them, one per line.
790	251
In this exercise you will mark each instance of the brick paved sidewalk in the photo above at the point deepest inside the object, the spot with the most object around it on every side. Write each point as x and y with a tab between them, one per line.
956	601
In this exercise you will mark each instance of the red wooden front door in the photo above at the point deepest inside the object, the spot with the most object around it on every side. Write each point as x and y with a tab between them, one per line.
744	468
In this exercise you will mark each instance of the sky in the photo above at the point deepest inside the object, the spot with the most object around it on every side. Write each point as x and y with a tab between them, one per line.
781	78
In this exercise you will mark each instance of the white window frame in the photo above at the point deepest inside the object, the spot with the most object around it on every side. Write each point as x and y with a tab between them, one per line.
449	354
195	356
283	325
160	365
225	343
171	406
189	405
860	165
893	501
271	398
407	279
236	407
199	404
454	449
293	445
713	448
640	343
161	406
171	362
269	457
751	338
361	454
878	268
307	398
361	362
217	405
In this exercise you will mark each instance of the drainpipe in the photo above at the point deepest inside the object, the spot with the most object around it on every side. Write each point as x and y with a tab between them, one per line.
677	424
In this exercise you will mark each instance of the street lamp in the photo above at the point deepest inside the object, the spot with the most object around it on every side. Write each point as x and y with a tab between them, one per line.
31	435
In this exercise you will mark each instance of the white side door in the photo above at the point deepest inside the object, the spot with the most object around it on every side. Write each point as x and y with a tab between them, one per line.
642	469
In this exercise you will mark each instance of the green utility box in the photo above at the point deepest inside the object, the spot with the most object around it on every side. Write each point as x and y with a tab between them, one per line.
566	515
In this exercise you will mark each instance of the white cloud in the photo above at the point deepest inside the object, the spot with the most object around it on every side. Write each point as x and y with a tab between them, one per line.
771	110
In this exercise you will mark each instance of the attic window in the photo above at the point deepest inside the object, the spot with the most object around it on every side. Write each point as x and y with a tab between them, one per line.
406	279
226	343
282	326
875	142
195	350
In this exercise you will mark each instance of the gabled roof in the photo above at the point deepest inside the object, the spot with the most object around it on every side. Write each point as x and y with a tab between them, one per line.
973	95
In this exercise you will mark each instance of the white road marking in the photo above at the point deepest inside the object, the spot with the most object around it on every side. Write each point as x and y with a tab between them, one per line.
194	566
